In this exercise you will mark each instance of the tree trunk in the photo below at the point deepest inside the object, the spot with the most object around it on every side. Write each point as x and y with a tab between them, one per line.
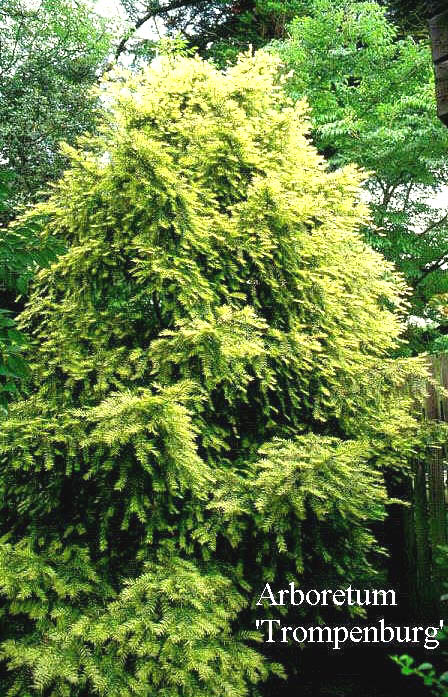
438	27
423	585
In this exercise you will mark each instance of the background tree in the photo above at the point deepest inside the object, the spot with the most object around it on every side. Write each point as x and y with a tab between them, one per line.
211	399
411	16
222	28
219	29
21	253
372	100
51	54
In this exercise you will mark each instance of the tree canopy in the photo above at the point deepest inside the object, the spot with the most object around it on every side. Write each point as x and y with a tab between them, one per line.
384	120
21	254
217	28
372	100
211	399
51	51
222	28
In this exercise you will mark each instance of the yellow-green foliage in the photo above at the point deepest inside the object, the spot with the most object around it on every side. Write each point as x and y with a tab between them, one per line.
212	398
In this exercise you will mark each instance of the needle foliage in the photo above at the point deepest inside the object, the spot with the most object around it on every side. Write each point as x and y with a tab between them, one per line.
211	402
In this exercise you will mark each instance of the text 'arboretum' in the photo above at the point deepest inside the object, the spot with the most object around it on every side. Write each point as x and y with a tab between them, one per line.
380	633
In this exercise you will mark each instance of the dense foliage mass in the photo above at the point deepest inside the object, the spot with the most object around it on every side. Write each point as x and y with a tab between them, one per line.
21	254
50	55
410	15
51	51
211	401
372	99
367	71
220	29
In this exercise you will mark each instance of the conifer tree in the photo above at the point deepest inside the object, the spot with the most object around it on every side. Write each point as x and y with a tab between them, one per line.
212	400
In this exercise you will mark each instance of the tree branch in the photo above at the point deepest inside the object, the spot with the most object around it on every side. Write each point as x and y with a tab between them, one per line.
154	12
435	266
436	223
